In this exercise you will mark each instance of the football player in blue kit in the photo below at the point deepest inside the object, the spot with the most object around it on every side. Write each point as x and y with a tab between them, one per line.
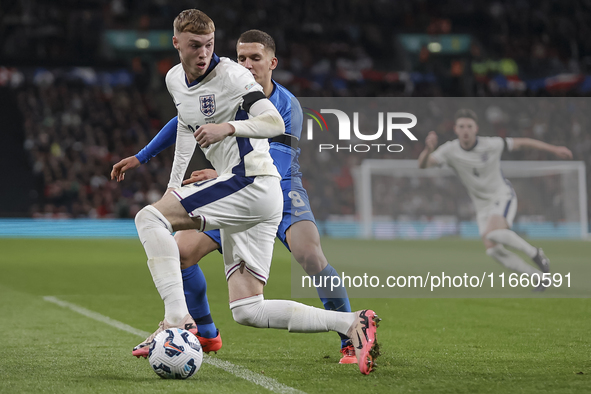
203	207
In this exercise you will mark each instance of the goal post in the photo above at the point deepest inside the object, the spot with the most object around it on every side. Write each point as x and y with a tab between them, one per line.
396	199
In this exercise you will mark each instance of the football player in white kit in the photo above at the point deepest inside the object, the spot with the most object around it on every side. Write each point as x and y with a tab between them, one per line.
476	161
223	110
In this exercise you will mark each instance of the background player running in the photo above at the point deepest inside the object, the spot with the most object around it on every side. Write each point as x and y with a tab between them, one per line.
476	161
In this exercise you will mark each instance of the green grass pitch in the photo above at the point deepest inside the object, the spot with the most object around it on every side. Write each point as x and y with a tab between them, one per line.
429	345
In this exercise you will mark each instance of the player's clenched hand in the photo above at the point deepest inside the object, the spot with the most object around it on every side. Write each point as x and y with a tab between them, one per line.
431	141
211	133
563	152
120	168
201	175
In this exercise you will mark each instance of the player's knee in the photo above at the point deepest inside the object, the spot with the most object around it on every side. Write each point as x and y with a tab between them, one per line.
488	243
144	217
140	217
494	235
150	217
249	311
497	251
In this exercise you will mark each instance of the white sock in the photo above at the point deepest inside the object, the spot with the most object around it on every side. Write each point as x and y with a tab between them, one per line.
155	233
511	261
511	239
257	312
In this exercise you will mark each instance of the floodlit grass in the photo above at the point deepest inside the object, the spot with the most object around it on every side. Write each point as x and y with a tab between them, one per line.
446	345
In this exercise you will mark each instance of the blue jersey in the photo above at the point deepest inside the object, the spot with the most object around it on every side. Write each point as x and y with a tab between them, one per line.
284	156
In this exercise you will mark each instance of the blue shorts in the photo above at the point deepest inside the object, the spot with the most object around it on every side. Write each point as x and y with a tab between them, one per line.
296	208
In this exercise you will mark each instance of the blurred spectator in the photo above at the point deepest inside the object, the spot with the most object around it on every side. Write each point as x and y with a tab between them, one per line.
76	128
74	132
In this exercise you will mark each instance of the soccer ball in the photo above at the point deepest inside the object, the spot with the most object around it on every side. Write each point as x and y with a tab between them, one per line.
175	354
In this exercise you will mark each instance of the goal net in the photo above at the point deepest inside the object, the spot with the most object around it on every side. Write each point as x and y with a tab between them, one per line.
396	199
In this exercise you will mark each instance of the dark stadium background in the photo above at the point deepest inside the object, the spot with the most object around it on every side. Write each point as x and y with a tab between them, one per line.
81	82
82	86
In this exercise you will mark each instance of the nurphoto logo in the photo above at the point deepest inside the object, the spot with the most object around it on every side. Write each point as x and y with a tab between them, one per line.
344	130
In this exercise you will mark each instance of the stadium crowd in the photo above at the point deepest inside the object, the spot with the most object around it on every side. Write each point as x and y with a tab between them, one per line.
341	48
73	133
76	129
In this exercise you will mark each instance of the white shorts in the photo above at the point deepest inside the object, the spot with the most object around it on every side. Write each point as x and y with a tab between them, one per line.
247	210
503	205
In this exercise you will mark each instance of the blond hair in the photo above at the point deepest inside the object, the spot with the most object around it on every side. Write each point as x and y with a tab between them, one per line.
193	21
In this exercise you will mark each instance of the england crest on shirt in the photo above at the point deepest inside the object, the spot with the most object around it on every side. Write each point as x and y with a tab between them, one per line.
207	104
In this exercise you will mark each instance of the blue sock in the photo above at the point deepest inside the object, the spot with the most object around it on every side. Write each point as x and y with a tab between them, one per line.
196	296
335	300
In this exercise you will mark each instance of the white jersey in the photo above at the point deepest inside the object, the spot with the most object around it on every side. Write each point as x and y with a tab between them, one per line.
216	98
478	168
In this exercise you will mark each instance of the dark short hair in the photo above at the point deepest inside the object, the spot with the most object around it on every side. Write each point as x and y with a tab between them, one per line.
258	36
466	113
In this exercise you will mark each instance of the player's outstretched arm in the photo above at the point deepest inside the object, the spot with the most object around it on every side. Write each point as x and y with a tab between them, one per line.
425	159
561	152
165	138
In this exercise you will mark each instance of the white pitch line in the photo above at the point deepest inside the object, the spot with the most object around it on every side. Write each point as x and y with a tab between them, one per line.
97	316
236	370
